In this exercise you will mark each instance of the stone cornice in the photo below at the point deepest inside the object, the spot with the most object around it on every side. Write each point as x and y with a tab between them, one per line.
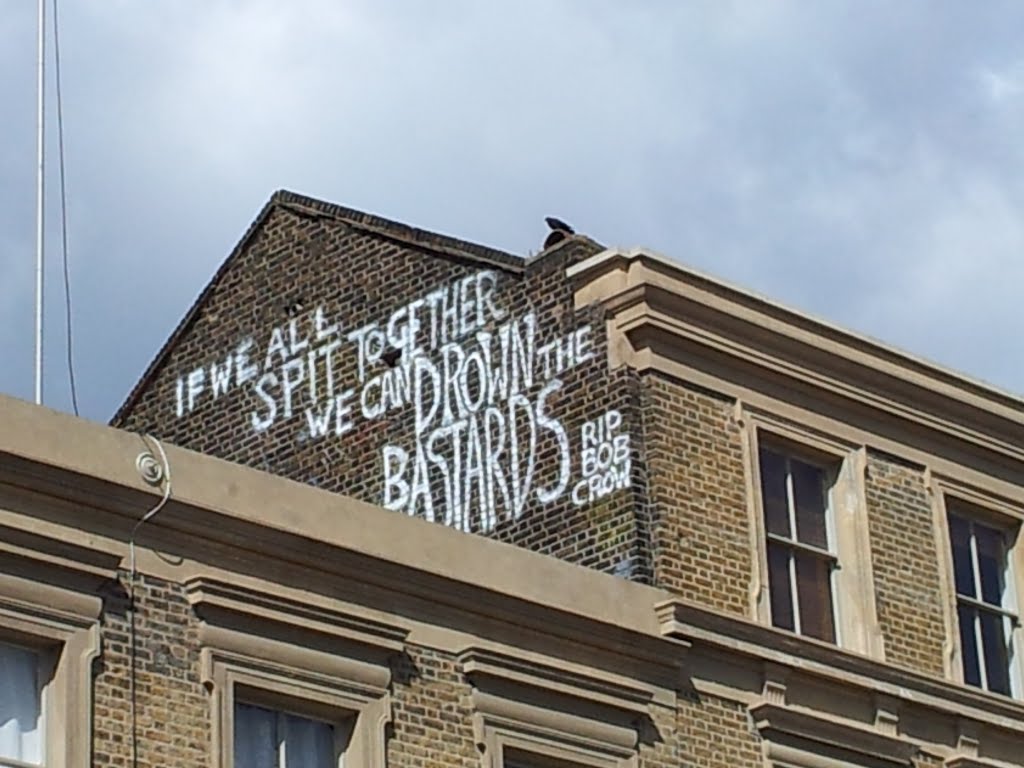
219	602
56	582
79	479
518	696
82	566
832	665
668	318
283	660
569	680
270	633
774	720
968	761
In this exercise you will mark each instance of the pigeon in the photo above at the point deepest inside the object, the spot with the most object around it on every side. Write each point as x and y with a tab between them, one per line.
559	231
557	225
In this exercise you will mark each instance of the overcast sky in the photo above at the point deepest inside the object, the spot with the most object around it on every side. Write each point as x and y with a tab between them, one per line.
860	161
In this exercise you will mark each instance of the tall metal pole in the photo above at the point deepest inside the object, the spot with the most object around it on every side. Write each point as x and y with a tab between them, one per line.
40	181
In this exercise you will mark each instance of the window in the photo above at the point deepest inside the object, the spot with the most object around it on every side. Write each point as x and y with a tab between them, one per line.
268	715
985	603
265	738
21	705
799	542
807	503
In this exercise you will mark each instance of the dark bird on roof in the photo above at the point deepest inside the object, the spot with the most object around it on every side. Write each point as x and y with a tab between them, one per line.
558	225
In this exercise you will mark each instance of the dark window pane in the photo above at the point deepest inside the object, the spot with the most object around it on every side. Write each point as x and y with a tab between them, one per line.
814	587
773	492
778	585
993	639
960	541
809	498
968	646
990	563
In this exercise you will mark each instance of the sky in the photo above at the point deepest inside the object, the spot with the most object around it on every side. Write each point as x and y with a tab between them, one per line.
860	161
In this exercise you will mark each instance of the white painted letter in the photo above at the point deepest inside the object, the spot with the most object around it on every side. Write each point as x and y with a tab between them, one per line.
547	495
396	489
266	380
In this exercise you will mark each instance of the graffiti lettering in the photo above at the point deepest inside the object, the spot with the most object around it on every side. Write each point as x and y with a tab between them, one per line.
480	386
604	459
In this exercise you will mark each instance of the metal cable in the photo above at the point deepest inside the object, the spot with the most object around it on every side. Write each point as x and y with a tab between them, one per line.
132	606
64	213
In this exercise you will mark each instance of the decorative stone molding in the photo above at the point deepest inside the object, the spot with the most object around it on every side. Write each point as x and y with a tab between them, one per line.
790	729
664	317
887	714
967	761
776	678
831	665
49	599
525	704
888	690
226	604
278	652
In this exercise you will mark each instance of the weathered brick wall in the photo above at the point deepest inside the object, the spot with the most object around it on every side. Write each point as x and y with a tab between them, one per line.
240	382
282	332
715	732
659	745
908	592
171	705
700	523
431	713
701	528
432	710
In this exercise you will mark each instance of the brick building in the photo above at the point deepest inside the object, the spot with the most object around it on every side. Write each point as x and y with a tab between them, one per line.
644	519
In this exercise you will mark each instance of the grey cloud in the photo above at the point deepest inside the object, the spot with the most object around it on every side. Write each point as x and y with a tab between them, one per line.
859	160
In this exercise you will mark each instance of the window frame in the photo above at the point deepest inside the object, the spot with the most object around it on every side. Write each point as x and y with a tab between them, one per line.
957	499
851	578
792	544
282	689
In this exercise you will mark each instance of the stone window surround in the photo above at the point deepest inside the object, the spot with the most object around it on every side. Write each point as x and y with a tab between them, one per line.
854	594
64	623
252	666
796	737
509	723
999	512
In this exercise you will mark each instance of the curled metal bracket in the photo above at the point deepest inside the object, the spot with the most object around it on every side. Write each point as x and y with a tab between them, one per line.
151	470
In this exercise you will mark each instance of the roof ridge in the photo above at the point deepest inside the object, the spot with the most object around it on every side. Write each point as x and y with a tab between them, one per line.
405	233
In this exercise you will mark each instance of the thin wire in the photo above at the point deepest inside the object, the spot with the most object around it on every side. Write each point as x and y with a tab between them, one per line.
40	197
64	213
132	631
